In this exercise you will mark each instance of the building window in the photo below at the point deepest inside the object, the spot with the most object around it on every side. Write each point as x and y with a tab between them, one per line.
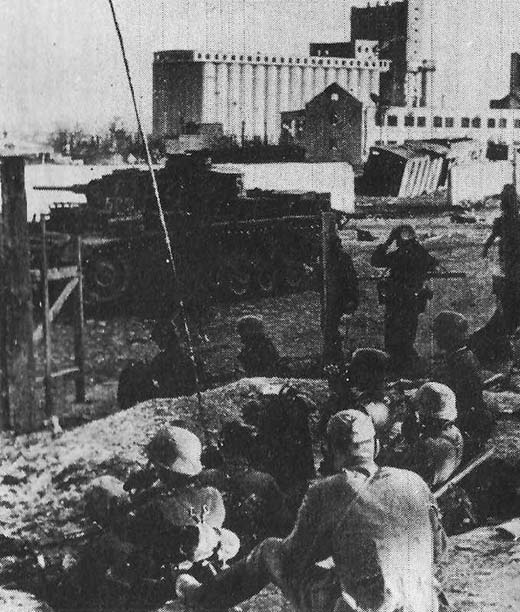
409	121
421	121
476	122
502	122
233	57
333	144
449	122
517	123
249	58
491	122
437	122
464	122
391	120
207	56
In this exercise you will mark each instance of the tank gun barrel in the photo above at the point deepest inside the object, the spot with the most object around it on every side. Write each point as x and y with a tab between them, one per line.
78	188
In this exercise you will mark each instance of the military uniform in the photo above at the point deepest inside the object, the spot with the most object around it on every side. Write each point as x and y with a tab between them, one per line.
365	539
404	298
435	457
258	356
461	372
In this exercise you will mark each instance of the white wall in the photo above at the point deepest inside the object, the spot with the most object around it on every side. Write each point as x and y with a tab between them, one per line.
336	178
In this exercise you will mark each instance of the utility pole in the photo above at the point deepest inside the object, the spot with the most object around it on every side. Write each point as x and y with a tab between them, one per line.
17	368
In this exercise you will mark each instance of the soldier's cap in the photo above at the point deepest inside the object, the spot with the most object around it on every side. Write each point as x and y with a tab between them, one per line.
250	324
351	427
175	449
367	363
449	323
436	400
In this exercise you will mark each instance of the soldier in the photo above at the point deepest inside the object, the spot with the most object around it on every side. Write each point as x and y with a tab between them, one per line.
461	372
506	283
171	373
172	520
403	293
434	443
366	538
258	356
342	299
364	390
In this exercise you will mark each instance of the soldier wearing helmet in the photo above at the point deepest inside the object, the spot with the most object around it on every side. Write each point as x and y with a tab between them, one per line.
171	521
403	293
346	550
434	443
364	390
258	356
460	370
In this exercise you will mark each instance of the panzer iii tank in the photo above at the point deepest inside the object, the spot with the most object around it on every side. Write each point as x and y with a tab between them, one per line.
228	243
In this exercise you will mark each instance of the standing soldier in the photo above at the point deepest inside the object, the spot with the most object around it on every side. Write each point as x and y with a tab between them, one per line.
342	298
506	283
403	293
366	538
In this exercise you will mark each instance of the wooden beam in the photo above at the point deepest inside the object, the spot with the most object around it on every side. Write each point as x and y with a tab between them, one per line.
18	364
55	274
79	328
56	307
49	407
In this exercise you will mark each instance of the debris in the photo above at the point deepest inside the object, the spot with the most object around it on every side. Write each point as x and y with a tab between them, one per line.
463	217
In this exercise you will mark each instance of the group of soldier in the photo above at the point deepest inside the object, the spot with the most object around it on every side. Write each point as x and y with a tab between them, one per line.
367	535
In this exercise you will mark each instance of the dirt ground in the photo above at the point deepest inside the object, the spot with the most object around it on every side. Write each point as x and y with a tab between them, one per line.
49	474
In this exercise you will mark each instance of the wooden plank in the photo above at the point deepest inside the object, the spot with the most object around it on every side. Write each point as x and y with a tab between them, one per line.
55	274
65	373
19	366
49	403
56	307
79	329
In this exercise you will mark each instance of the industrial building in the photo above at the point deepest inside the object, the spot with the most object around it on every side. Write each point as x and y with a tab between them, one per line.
247	93
388	67
329	128
401	29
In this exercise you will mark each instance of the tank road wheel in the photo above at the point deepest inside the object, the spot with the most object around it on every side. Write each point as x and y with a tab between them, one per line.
107	279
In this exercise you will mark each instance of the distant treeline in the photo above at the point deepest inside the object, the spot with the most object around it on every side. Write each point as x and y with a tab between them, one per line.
116	140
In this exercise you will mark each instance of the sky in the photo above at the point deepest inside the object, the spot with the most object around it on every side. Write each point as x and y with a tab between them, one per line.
61	63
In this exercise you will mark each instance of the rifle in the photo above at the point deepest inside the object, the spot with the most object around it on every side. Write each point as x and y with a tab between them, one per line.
479	460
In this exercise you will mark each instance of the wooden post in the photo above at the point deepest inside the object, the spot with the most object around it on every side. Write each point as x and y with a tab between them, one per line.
49	400
79	331
18	402
327	221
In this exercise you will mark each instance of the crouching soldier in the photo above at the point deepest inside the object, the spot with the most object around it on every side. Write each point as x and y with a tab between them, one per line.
364	389
434	444
366	538
171	373
258	356
172	521
460	371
